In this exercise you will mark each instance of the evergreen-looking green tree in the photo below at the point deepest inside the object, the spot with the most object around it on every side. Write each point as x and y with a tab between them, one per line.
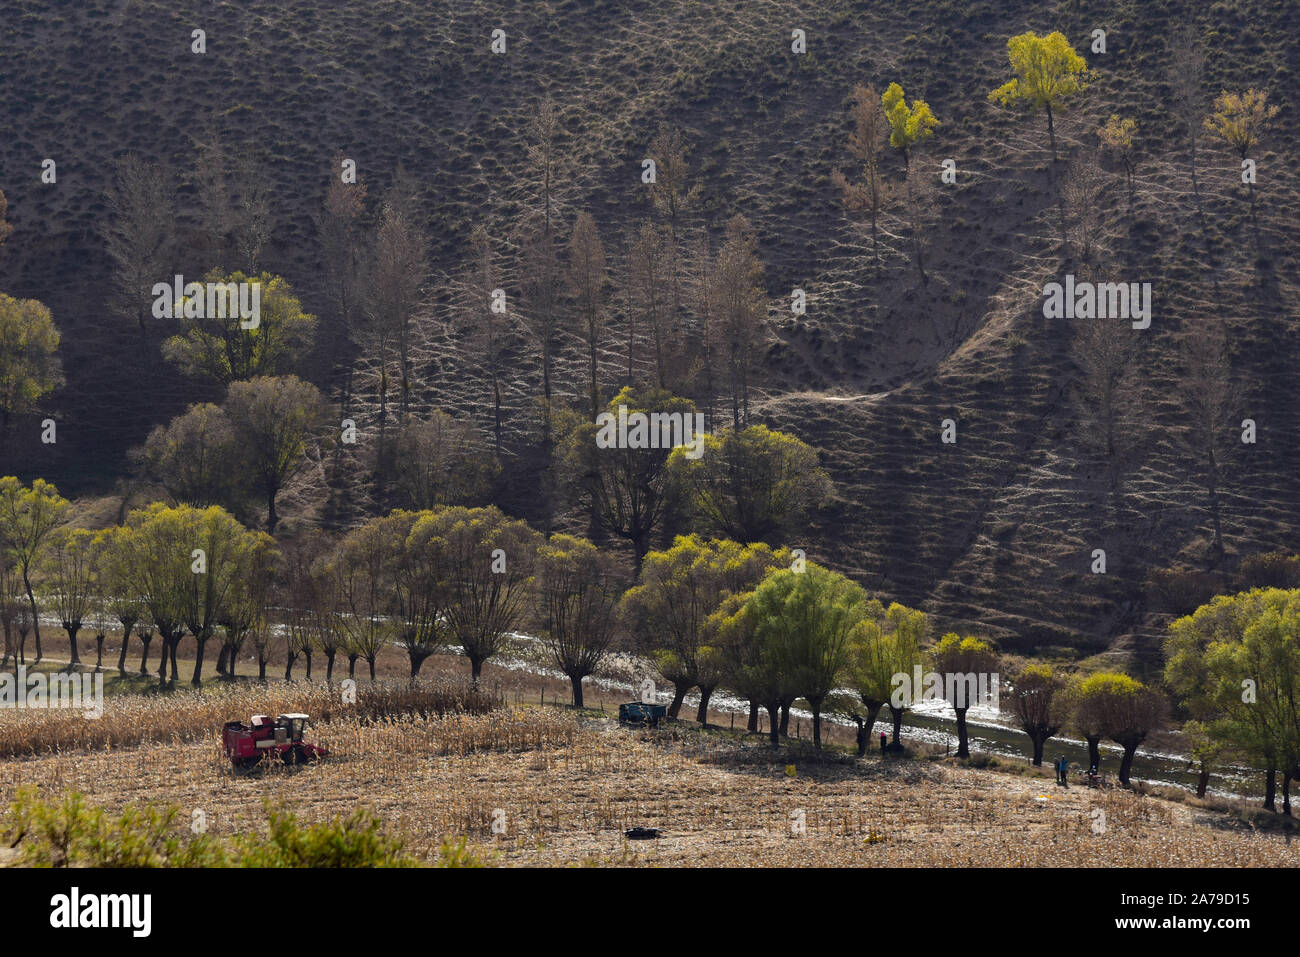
29	368
1048	70
960	661
627	488
220	348
1040	704
28	516
753	483
908	125
1118	707
277	420
888	635
577	597
673	611
483	563
805	624
193	458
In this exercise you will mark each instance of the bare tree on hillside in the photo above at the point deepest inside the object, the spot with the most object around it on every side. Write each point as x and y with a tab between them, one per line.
648	263
483	315
587	276
1108	394
139	235
396	284
742	310
344	254
873	193
1211	398
1083	190
673	197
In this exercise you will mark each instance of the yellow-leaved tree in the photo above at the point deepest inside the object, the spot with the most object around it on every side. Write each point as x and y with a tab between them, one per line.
908	125
1047	71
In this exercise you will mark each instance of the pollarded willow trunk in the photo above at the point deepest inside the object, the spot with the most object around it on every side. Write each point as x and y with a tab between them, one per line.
126	640
963	739
1039	739
774	722
679	692
897	715
576	682
785	719
72	627
1126	763
702	712
200	642
145	641
752	725
1270	790
817	722
1094	751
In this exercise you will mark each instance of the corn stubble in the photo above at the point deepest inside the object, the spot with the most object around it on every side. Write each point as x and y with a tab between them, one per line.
571	786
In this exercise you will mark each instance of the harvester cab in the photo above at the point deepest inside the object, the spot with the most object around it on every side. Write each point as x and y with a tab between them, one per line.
246	744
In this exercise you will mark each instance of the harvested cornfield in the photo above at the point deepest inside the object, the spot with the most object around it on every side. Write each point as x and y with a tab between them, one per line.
549	787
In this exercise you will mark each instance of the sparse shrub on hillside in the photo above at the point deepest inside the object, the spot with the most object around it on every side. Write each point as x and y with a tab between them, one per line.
1180	591
1270	570
1117	137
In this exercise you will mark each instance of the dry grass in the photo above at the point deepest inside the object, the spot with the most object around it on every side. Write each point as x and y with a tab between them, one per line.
570	786
185	716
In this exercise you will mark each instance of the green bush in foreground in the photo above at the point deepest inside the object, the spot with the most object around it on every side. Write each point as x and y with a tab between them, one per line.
67	832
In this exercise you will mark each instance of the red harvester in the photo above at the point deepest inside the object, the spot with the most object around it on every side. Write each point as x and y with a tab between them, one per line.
246	744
